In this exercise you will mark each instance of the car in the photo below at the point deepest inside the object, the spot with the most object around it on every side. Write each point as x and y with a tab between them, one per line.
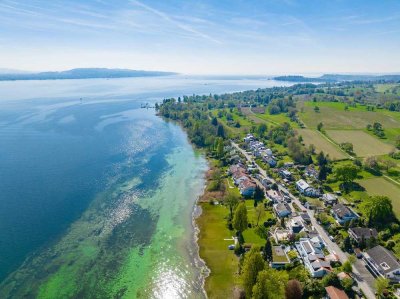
331	238
231	247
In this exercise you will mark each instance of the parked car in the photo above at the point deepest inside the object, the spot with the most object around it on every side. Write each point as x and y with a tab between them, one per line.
231	247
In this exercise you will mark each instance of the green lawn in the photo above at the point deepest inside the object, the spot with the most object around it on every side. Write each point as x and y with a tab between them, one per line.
214	251
381	186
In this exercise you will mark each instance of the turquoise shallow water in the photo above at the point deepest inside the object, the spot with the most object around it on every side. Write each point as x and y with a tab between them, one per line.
97	195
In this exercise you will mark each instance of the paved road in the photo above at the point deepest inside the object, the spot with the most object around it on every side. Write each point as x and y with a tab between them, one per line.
332	247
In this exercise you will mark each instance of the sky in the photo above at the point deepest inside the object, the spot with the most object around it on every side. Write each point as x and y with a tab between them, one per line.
202	37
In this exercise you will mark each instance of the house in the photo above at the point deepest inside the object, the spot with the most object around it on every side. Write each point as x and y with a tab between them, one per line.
279	257
343	275
306	218
302	186
329	199
285	174
281	235
270	160
282	209
248	138
311	172
247	187
274	195
266	183
360	233
335	293
296	225
313	257
382	263
342	214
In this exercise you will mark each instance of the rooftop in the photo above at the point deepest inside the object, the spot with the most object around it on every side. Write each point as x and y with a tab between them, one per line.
384	259
335	293
365	232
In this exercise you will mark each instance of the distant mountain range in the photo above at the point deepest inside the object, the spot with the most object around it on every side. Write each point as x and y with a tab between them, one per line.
338	78
81	73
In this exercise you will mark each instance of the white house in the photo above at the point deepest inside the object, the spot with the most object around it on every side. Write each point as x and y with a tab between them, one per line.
383	263
313	257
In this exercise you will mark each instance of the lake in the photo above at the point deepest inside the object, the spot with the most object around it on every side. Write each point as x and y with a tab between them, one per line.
96	194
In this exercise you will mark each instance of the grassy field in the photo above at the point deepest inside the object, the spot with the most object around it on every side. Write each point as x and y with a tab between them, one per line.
364	144
214	250
381	186
321	144
333	116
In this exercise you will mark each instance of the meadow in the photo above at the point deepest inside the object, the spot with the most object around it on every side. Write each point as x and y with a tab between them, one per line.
321	143
334	116
364	144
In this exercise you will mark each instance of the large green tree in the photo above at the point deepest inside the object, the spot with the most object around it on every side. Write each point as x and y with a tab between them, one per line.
379	210
270	284
240	221
252	264
231	200
346	173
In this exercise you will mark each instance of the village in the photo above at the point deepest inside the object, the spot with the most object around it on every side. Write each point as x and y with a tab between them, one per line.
299	234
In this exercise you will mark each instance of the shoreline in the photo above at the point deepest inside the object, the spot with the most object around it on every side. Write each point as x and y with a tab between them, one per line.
198	260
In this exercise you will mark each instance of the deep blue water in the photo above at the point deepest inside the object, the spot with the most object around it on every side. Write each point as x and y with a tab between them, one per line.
57	153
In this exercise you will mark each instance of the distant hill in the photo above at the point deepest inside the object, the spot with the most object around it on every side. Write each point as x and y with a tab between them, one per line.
82	73
338	78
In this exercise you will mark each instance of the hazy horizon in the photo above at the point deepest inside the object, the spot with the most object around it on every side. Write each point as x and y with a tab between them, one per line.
207	37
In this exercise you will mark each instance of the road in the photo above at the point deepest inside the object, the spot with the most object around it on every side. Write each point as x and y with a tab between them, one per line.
332	247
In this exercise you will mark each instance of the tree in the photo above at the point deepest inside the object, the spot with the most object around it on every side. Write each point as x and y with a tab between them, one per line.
381	284
372	163
214	121
323	173
347	267
316	109
346	173
379	210
320	126
261	129
331	279
260	212
240	218
252	264
270	284
293	289
219	147
347	244
347	147
347	284
397	142
267	251
231	200
258	194
220	131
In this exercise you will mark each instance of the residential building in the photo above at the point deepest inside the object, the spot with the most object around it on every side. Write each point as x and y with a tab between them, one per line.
279	257
360	233
274	195
342	214
302	186
281	235
296	225
383	263
247	187
282	209
335	293
285	174
313	257
329	199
